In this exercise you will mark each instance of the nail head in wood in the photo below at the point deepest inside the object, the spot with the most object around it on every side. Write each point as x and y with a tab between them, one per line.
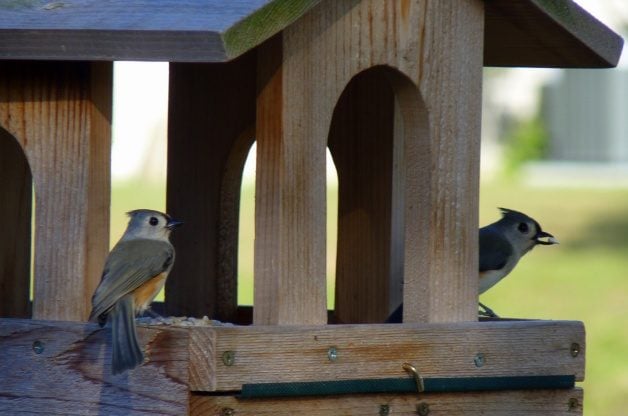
332	354
228	358
38	347
479	360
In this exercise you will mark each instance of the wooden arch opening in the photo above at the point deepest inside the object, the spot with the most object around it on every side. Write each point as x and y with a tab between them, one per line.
377	135
15	247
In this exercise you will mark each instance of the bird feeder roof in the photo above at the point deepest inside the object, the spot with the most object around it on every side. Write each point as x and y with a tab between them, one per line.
544	33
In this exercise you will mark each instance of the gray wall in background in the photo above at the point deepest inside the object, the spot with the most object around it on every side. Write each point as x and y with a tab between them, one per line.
586	113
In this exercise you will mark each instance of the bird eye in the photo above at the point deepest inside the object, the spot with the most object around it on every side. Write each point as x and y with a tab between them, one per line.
153	221
523	227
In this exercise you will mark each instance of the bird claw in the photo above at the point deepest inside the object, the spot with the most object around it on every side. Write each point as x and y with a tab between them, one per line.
488	312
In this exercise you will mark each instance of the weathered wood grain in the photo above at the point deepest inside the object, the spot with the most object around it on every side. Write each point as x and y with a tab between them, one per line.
16	194
63	368
284	354
289	263
441	206
211	114
60	113
547	33
436	143
506	403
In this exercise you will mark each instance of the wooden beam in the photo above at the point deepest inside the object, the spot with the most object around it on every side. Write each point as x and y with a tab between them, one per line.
50	366
516	403
284	354
441	148
61	115
290	208
16	194
547	33
210	131
53	367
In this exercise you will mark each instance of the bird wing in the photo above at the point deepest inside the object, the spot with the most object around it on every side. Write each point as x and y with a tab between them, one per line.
130	264
495	250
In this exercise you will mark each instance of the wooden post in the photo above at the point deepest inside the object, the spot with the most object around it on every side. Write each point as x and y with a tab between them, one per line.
441	284
60	113
290	284
212	111
16	194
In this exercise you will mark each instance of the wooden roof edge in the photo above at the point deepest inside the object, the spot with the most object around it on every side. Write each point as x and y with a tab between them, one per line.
547	33
533	33
262	24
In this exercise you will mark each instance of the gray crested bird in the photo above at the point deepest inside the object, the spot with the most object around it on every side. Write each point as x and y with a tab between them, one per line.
502	244
135	271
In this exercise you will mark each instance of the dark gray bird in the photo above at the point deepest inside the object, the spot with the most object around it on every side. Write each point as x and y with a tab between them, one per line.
135	271
502	244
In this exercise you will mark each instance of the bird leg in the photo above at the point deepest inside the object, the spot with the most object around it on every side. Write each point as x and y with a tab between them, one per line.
486	311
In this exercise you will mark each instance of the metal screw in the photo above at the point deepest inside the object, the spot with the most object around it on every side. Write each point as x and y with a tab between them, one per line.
575	349
227	411
384	410
573	403
228	358
478	360
423	409
332	354
38	347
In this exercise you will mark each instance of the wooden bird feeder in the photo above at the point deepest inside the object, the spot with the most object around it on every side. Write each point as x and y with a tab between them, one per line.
393	89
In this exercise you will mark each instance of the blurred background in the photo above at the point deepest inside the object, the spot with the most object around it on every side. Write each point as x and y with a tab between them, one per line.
554	145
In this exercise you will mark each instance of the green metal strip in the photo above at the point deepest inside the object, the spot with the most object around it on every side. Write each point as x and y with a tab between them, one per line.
405	385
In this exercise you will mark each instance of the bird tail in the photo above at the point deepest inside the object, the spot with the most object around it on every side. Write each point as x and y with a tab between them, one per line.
126	351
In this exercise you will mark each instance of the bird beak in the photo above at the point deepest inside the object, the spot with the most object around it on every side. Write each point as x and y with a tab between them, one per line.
545	238
172	223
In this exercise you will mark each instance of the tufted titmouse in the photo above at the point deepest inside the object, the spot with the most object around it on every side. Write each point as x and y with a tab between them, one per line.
502	244
135	271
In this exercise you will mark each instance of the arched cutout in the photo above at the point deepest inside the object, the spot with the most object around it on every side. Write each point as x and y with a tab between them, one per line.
246	230
377	129
230	231
15	247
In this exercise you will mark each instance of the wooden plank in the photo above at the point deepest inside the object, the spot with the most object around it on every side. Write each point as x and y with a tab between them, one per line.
290	281
168	30
285	354
60	368
515	403
547	33
61	115
361	143
210	131
442	162
16	194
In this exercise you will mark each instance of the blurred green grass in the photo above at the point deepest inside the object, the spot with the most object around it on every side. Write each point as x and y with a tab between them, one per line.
584	278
